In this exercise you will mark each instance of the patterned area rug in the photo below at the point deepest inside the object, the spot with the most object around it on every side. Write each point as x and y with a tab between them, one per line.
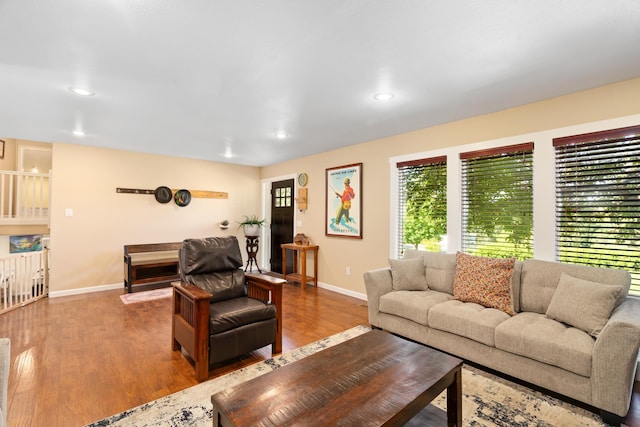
146	295
487	400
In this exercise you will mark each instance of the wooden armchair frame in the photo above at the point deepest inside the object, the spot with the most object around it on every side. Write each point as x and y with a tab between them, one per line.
190	319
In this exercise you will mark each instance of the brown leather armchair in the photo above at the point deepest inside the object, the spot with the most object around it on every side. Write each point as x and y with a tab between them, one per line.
219	312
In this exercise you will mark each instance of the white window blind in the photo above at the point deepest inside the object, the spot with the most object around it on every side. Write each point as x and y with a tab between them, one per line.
422	206
497	201
598	200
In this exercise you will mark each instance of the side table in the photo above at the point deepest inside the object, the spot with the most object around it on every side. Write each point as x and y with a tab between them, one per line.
252	251
300	251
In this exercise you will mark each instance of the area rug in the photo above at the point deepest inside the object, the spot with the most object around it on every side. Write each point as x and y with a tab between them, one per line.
487	400
146	295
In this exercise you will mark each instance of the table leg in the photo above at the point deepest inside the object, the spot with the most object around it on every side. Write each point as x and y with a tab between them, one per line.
303	266
315	267
284	263
454	400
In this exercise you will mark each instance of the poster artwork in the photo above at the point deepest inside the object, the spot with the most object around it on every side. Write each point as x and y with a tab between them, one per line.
344	201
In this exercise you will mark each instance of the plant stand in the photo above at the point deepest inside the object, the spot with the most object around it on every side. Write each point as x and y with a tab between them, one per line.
252	252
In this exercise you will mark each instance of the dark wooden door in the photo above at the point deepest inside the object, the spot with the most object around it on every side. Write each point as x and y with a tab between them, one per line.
282	205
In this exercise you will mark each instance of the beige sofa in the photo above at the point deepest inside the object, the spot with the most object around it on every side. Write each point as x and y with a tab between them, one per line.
592	366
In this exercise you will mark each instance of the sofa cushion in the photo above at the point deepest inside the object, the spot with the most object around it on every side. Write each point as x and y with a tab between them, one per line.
411	305
583	304
485	281
440	269
540	278
548	341
467	319
408	274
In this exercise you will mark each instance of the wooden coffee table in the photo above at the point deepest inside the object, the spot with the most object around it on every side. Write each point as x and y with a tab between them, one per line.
374	379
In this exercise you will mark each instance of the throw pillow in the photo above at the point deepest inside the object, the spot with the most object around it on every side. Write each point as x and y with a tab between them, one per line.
408	274
583	304
485	281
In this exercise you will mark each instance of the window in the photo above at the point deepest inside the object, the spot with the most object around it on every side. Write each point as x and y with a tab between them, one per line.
598	200
497	202
422	207
283	197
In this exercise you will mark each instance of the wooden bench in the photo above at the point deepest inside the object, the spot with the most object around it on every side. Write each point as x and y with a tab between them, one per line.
151	264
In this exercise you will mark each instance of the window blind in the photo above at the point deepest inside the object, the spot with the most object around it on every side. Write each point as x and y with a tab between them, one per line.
422	203
497	201
598	200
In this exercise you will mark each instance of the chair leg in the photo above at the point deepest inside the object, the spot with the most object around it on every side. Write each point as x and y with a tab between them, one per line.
201	344
202	370
276	347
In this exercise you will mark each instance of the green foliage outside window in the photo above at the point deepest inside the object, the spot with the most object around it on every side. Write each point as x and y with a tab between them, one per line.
498	206
425	206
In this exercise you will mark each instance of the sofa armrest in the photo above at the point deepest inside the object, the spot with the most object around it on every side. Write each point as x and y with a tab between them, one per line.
615	356
377	283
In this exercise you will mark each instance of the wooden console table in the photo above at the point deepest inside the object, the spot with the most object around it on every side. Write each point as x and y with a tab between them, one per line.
302	251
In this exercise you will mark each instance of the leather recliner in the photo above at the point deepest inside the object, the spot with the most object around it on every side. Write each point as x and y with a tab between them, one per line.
219	312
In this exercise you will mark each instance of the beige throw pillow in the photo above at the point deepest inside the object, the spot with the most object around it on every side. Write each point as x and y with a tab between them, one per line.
583	304
408	274
485	281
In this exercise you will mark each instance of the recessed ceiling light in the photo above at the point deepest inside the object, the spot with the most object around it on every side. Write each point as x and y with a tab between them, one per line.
383	96
81	91
281	135
78	132
228	153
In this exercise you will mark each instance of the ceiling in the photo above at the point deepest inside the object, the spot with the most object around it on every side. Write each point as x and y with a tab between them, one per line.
217	80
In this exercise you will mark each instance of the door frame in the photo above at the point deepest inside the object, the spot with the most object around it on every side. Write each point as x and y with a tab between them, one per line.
265	191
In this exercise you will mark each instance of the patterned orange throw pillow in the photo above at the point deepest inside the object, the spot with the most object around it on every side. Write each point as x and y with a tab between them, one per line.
485	281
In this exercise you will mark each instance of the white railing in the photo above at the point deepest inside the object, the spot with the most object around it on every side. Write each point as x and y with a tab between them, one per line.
24	197
24	278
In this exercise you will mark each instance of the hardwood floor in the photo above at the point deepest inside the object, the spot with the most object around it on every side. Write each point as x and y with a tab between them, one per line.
81	358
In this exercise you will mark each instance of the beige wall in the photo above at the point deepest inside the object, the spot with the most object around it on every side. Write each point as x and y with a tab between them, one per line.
87	248
612	101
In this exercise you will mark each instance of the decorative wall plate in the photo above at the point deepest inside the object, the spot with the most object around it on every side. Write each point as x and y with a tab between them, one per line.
182	197
303	178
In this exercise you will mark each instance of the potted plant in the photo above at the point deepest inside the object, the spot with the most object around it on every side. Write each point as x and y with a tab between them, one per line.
251	225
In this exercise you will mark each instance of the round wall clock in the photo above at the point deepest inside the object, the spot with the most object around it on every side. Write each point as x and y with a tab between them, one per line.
302	179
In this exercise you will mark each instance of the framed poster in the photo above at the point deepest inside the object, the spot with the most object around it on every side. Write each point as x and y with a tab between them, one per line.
343	201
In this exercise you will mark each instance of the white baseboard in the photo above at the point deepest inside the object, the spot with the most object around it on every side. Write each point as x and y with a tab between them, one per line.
342	291
337	289
88	290
101	288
